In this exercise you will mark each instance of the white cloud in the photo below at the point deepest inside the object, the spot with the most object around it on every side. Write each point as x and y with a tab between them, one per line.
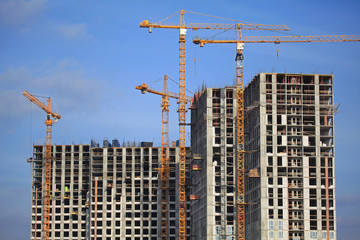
74	31
16	12
15	76
11	104
68	86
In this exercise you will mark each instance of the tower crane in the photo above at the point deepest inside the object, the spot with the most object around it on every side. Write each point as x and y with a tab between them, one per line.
144	88
165	169
182	99
51	118
240	41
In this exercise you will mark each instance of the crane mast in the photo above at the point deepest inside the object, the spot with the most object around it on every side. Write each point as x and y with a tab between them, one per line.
165	169
182	123
240	147
48	157
182	119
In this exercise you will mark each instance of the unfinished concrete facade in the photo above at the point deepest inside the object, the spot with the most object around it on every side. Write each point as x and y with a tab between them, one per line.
213	120
69	195
105	193
290	126
126	203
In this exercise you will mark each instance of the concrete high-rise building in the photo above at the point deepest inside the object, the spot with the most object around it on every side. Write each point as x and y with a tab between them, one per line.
105	193
289	140
213	121
290	124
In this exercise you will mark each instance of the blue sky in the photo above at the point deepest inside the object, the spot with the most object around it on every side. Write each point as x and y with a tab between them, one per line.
89	56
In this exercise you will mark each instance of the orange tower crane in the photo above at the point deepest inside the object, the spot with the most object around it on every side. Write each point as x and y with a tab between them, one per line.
165	169
182	100
48	157
240	41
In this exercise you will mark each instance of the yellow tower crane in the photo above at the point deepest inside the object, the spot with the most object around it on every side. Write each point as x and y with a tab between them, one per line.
51	118
165	169
182	100
240	41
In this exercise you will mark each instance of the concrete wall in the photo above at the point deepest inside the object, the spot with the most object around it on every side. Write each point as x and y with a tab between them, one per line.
296	156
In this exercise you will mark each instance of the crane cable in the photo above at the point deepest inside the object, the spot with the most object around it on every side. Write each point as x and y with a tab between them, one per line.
207	15
178	84
155	81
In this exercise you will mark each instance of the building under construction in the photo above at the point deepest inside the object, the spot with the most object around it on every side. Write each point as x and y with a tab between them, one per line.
104	193
289	163
213	138
290	140
114	192
289	123
70	197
